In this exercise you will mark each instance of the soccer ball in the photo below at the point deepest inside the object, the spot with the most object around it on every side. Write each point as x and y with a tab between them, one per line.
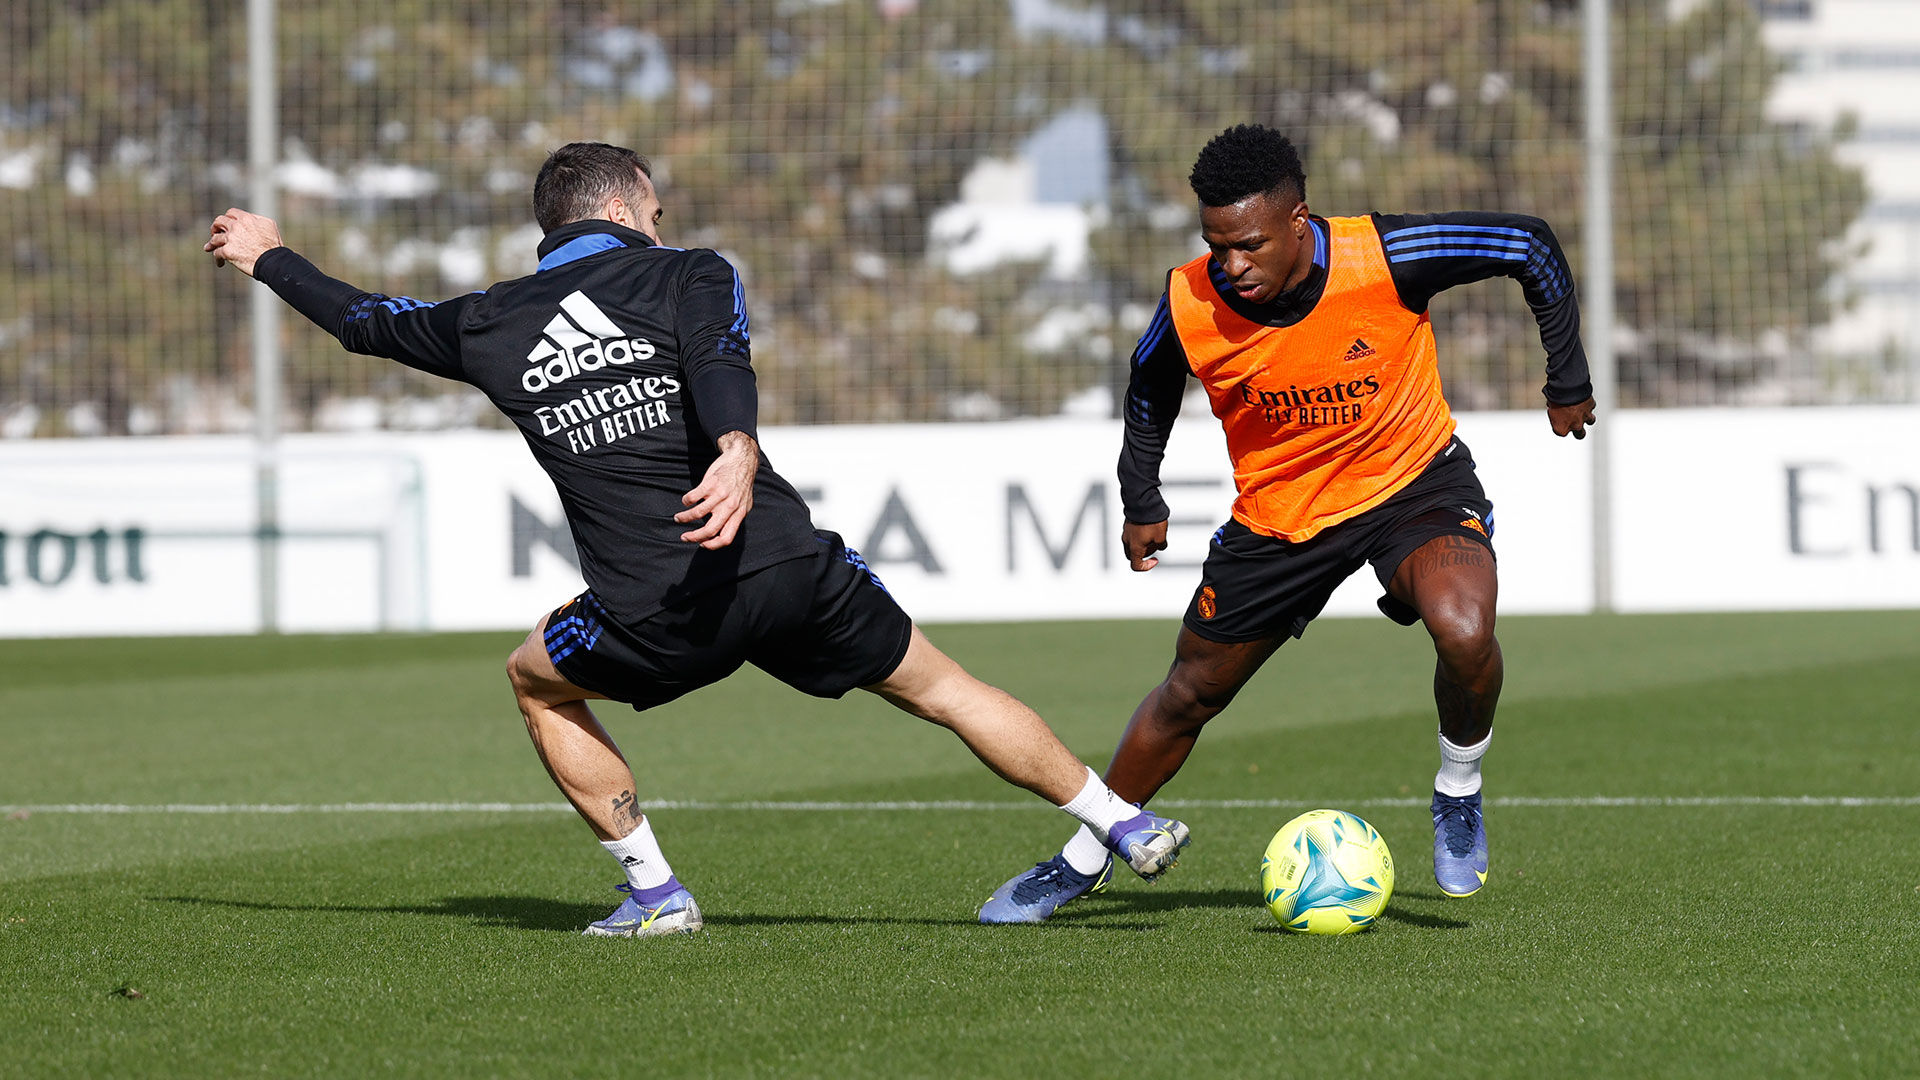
1326	872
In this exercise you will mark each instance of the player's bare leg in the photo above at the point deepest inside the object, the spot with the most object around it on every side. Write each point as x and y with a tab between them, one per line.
1452	583
1203	680
591	772
1018	746
578	753
1003	733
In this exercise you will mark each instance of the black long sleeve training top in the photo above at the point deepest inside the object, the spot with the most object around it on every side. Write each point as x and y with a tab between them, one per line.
621	362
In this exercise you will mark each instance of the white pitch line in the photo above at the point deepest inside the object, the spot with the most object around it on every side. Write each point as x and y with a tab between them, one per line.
1572	802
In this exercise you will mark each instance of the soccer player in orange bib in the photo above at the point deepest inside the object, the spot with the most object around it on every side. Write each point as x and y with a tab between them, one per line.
1312	339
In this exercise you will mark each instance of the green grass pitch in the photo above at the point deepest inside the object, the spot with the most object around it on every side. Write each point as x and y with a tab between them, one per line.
1709	935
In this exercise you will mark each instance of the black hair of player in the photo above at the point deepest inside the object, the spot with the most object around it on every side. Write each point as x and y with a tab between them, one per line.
1248	159
579	178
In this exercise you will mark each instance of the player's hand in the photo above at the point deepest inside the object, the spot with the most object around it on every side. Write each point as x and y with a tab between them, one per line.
1571	419
1139	542
725	494
239	237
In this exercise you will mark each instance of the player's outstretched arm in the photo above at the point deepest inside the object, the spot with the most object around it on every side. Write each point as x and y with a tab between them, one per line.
238	238
1571	419
419	335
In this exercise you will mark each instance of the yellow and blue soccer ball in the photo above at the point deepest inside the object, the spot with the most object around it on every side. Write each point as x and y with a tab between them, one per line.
1326	872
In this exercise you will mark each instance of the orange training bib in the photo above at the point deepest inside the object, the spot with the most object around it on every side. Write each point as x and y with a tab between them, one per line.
1327	418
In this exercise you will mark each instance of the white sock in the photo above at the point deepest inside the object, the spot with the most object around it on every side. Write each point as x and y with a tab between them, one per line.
1085	853
1098	810
639	855
1460	767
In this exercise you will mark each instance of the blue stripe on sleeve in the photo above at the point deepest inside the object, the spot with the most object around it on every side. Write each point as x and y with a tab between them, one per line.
1139	409
1441	241
1455	252
1431	230
1483	242
1156	329
400	305
739	306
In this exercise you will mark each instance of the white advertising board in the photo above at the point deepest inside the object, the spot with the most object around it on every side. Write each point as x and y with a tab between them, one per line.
1022	520
1767	509
1713	511
158	536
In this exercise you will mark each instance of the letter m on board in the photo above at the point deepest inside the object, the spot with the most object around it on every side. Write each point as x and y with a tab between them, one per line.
1019	505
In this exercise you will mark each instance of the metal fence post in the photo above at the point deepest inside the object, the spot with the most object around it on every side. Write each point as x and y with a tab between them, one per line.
1599	290
262	135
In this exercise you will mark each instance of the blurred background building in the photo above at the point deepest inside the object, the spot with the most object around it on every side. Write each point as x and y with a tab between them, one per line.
1853	67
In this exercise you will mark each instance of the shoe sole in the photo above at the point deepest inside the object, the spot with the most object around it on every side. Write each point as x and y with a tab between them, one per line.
685	921
1159	855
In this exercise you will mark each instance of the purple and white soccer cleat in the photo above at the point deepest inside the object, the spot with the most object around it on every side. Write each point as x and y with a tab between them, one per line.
1148	843
1033	895
665	909
1459	844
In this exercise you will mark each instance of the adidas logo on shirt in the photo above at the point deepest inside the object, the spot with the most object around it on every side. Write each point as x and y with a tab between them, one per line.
580	338
1359	351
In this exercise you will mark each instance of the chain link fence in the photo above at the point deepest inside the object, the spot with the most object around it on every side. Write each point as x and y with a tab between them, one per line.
961	209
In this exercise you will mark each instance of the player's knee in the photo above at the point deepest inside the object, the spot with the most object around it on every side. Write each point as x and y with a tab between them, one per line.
520	672
1188	701
1462	631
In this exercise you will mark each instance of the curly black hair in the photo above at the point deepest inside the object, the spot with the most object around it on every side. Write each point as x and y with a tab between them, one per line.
1247	159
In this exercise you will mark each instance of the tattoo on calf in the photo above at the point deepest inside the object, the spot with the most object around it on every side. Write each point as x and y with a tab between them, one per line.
626	809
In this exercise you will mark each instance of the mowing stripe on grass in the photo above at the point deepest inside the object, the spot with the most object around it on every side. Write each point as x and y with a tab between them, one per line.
1578	802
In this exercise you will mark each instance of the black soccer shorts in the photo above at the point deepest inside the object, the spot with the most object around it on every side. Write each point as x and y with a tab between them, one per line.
1254	586
822	624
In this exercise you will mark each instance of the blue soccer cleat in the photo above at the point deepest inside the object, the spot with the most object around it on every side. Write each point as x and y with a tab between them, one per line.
1459	844
672	913
1037	893
1147	843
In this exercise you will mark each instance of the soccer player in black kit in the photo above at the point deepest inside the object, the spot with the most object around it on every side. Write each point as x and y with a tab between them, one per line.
625	365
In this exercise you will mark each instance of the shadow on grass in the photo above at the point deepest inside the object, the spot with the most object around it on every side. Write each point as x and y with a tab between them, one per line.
750	919
1172	899
517	912
1149	898
1414	918
541	913
1392	914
